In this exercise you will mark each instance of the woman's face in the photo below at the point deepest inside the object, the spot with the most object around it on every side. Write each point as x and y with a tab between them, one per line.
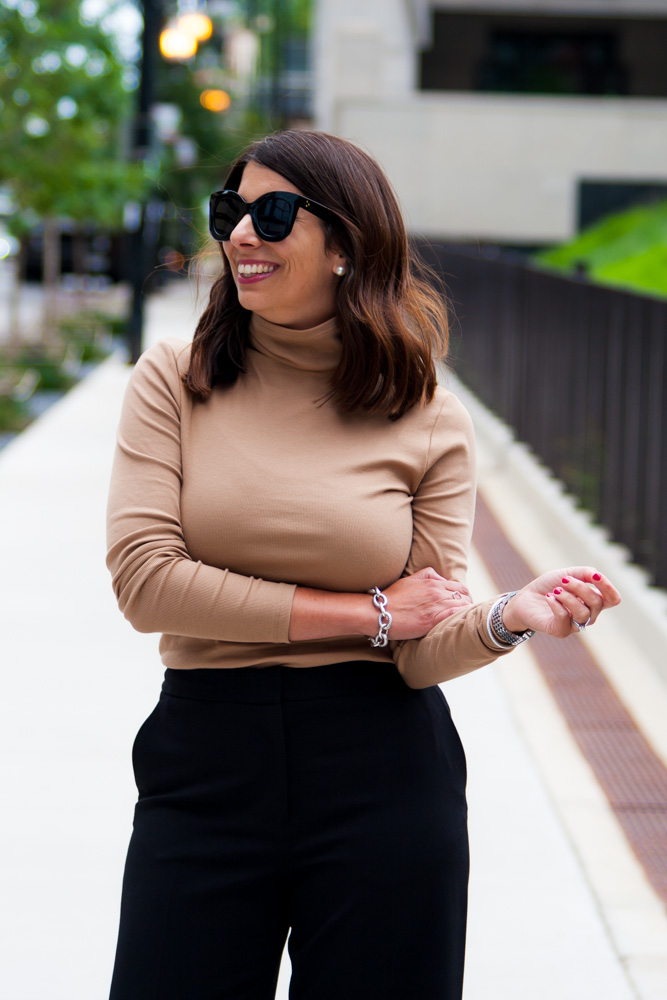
299	291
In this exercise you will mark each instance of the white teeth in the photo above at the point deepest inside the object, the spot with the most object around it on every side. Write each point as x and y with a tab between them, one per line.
248	269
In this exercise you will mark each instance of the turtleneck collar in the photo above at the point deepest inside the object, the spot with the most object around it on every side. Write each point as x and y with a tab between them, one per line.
314	350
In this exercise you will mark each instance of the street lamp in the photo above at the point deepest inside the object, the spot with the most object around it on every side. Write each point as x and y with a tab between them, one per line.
196	24
182	35
177	42
215	100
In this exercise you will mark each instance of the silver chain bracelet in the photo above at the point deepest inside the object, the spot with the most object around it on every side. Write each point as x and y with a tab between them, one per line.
384	620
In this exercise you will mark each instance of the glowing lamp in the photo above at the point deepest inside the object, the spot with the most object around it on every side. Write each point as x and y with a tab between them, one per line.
198	26
215	100
177	44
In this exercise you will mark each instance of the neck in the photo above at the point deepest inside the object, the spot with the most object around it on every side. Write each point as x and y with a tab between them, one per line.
316	348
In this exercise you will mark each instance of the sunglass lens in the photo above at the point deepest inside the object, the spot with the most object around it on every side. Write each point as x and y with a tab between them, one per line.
275	217
227	212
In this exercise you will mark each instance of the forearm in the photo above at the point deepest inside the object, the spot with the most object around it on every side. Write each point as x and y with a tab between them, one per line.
322	614
176	595
454	647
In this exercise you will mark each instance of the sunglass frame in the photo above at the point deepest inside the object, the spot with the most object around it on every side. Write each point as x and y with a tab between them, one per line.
296	201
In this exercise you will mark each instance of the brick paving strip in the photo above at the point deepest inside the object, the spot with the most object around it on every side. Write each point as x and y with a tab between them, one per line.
632	776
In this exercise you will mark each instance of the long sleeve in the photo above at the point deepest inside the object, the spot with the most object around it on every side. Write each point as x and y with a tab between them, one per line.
443	509
159	587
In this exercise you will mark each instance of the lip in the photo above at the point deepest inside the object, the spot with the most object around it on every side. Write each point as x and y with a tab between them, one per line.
251	279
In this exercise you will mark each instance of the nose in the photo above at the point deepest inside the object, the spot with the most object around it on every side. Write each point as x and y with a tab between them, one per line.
244	233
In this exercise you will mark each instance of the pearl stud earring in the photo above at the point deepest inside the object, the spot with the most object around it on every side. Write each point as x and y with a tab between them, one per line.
340	270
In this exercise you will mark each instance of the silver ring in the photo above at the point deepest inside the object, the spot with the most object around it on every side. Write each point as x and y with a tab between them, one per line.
457	596
582	627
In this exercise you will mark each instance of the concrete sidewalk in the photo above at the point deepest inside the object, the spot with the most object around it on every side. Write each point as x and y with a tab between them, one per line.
560	909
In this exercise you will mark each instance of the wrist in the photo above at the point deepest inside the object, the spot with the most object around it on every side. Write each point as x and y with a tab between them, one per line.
512	621
384	619
499	632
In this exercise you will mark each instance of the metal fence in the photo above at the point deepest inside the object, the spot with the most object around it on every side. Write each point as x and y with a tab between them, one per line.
580	372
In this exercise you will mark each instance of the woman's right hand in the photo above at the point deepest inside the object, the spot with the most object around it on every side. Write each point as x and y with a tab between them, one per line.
420	601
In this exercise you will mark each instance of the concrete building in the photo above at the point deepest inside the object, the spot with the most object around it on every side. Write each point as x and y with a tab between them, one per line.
509	121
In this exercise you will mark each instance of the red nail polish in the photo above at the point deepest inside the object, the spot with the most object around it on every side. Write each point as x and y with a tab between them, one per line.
557	590
549	595
566	579
596	576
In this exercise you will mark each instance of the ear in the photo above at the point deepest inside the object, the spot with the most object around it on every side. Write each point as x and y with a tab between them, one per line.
338	260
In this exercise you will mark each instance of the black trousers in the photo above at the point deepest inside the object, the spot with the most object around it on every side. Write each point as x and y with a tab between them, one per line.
329	800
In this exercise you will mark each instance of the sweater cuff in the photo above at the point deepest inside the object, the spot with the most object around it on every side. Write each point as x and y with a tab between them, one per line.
453	647
283	612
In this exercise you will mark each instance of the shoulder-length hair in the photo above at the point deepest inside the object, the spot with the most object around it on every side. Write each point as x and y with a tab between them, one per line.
392	316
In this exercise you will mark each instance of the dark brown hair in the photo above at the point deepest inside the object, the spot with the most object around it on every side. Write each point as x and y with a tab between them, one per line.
392	316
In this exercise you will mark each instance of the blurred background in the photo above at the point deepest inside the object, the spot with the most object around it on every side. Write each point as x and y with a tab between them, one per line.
118	120
527	143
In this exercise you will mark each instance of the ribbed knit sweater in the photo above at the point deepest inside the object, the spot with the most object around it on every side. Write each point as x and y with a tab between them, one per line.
218	510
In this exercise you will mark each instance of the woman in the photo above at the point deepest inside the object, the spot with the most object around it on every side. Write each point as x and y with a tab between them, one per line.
297	457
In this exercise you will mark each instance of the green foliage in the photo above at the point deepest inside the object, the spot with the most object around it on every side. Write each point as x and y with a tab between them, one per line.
66	114
51	368
297	13
89	334
33	371
628	250
63	105
14	413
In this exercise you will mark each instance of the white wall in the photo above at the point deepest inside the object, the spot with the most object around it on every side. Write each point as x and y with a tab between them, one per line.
504	168
469	165
362	48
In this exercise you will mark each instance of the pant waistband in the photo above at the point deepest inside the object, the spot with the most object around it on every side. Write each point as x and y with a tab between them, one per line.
280	683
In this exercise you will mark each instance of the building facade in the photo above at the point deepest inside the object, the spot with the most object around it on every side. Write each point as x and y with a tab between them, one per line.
508	121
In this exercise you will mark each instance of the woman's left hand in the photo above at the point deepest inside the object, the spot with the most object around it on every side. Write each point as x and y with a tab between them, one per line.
555	601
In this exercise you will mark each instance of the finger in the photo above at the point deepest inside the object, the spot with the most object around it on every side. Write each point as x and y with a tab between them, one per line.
588	594
456	597
562	626
577	609
454	585
603	584
427	573
610	594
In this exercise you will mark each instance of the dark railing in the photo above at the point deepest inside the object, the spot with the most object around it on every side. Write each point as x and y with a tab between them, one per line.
580	372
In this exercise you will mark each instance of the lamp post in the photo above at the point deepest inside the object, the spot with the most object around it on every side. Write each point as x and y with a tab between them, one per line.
141	147
176	42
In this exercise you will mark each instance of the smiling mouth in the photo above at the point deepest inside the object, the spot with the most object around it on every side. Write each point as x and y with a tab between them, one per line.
256	271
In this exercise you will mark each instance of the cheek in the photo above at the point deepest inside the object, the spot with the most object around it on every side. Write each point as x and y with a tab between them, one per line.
322	270
227	264
314	278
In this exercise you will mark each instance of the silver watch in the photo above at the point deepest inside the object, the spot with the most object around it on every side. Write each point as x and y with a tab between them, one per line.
497	629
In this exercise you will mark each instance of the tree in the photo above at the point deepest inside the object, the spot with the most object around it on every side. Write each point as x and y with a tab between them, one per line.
64	100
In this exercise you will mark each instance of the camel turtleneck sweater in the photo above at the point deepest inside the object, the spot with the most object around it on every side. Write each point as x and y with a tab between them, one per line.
218	510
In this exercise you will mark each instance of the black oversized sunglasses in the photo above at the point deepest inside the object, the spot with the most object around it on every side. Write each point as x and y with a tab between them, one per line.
272	214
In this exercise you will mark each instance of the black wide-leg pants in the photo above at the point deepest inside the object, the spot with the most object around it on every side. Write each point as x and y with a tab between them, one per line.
329	800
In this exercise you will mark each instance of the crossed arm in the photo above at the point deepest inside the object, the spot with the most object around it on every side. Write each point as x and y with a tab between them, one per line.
434	635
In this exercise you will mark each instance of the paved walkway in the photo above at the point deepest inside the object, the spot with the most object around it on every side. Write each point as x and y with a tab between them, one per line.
560	907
